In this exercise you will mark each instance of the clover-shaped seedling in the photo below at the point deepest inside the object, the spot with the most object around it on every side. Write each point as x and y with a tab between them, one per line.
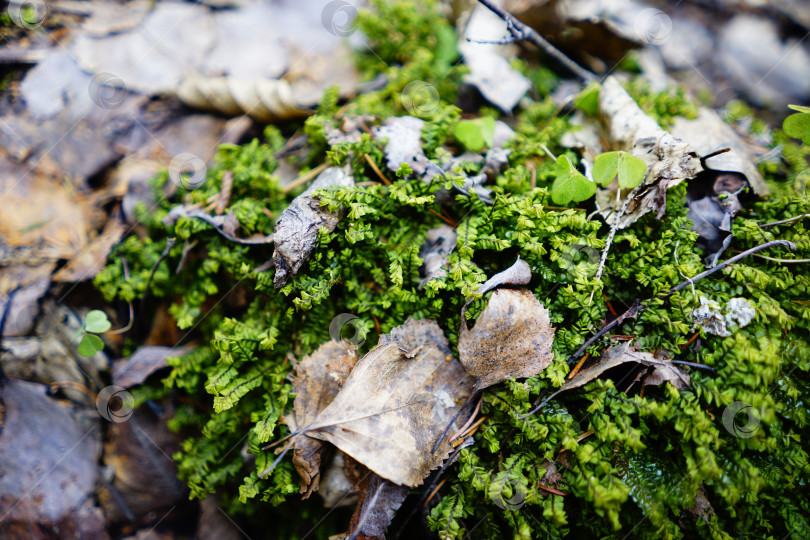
798	125
570	184
96	322
627	167
475	134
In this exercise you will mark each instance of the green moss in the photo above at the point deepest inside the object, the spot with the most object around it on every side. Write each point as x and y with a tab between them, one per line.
628	464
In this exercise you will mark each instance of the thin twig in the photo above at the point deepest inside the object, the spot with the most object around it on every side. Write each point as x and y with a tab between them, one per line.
376	169
784	221
790	245
522	32
306	177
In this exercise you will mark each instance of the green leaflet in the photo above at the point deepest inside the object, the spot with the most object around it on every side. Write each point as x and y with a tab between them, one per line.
475	134
570	184
626	166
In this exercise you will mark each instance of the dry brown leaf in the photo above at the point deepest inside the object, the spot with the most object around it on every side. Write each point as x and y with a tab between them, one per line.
518	274
128	372
669	161
380	500
512	338
623	353
663	370
297	228
47	462
318	378
395	403
92	258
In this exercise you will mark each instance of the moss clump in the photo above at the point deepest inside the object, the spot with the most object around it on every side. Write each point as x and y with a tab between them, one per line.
661	464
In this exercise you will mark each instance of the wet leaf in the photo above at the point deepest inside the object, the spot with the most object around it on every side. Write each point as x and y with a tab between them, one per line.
380	499
570	184
297	228
395	403
318	378
512	338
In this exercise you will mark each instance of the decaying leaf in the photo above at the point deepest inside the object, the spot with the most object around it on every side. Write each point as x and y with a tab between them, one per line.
663	370
712	214
145	476
404	134
297	228
225	225
669	160
708	133
395	403
438	246
717	319
318	378
511	338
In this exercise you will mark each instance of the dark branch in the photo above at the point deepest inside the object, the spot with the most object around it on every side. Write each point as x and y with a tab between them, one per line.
522	32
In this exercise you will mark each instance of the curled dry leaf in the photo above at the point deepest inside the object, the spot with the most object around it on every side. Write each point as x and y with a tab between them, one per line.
318	378
297	227
669	161
518	274
266	100
512	338
395	403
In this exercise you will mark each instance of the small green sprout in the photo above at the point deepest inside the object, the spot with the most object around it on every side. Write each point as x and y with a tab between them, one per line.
798	125
96	322
628	167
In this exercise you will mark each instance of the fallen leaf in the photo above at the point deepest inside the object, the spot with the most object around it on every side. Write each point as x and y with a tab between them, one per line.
404	145
47	462
511	338
318	378
225	225
621	354
518	274
395	403
438	246
134	370
92	258
379	501
669	161
145	476
297	228
490	71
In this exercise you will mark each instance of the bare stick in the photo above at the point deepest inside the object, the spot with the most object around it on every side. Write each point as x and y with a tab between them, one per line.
630	313
522	32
